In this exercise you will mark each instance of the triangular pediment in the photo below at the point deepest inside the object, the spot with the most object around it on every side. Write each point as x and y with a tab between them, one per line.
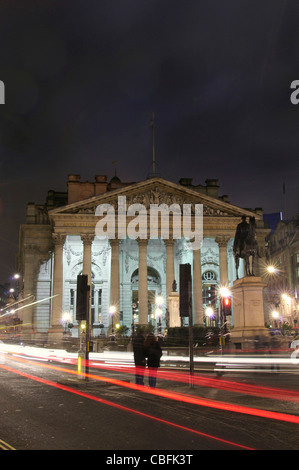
155	191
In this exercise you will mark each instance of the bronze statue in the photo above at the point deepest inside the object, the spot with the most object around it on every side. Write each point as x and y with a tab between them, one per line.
245	245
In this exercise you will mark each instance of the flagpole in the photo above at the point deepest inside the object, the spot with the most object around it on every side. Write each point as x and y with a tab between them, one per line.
284	201
153	136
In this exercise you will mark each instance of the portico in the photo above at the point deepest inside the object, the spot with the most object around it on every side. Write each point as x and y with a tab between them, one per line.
125	271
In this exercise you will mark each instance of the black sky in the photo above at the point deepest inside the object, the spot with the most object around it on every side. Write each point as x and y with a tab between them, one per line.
82	79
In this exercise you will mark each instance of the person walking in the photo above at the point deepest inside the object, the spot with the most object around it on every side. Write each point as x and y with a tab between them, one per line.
139	356
153	353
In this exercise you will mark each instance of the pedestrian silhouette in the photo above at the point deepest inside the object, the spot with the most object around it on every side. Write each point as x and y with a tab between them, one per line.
153	353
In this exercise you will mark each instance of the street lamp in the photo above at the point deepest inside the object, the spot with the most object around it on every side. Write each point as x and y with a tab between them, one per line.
275	315
112	310
159	311
224	292
133	316
66	318
209	313
271	269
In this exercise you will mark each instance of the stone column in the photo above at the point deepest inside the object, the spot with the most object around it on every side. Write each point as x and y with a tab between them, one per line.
59	239
87	243
142	286
222	242
197	289
114	280
169	266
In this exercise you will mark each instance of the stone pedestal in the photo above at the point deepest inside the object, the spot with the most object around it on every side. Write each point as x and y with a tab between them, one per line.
249	322
173	302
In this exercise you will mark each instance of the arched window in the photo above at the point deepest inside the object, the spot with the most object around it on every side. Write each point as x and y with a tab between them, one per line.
209	276
209	290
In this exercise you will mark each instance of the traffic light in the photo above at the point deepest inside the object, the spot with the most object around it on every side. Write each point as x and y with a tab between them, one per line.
82	298
227	306
185	290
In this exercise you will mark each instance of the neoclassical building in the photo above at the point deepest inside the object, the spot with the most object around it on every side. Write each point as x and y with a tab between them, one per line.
59	241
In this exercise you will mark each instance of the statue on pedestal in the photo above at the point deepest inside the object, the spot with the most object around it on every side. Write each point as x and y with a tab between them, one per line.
245	245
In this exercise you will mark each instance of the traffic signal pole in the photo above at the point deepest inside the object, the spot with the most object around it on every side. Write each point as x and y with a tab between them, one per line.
225	309
83	317
186	311
191	352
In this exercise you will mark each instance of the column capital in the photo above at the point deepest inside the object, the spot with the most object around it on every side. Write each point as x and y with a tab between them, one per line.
114	241
222	240
58	238
169	241
87	238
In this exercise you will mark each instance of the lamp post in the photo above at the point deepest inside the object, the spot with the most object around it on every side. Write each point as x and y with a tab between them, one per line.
112	311
209	314
66	318
159	311
275	315
133	317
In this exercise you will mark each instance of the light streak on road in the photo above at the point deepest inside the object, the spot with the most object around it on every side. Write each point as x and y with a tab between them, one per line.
123	408
189	399
127	367
5	446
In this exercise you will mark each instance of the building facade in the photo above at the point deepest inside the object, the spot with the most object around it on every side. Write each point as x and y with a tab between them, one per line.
283	280
59	241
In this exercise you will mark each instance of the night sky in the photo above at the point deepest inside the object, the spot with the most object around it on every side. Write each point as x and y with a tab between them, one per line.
82	79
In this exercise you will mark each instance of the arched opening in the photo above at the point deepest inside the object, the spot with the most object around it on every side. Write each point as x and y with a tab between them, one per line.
153	288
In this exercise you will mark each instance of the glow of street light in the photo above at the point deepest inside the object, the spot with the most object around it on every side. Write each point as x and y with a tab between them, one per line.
209	311
224	292
66	316
158	312
271	269
112	309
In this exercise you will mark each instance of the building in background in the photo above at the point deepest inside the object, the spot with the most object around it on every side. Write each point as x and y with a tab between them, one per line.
58	242
282	292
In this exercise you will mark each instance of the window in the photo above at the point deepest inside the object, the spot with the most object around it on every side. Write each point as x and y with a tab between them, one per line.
210	295
72	297
209	276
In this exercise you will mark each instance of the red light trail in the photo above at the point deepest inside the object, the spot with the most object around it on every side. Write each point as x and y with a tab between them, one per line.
121	407
190	399
211	382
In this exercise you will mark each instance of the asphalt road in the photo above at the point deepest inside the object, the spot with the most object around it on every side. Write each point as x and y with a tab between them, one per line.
46	408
